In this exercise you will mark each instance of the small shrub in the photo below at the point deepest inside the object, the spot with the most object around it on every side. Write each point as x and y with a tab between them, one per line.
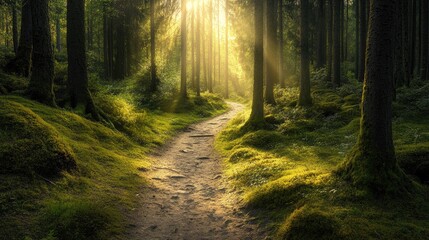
29	145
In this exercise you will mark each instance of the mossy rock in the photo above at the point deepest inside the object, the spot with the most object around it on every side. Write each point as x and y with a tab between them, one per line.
308	223
29	145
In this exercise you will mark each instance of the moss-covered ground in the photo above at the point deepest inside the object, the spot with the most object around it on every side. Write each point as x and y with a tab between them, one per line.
287	170
66	177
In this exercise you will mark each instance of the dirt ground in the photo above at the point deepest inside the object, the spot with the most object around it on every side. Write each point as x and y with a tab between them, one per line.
188	196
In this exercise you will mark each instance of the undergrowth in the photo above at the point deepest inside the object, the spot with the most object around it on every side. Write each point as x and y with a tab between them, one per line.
286	169
66	177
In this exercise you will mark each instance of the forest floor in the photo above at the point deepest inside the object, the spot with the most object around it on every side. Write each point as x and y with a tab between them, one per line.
188	197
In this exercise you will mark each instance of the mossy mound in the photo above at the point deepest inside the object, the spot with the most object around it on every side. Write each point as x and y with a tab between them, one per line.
414	159
262	139
307	223
75	220
29	145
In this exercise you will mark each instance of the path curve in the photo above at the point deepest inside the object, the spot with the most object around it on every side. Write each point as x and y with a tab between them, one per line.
188	196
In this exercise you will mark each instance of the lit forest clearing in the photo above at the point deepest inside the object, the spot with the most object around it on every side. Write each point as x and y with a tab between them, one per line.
214	119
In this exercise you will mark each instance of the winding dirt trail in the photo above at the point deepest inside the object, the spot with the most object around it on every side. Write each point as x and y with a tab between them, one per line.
188	197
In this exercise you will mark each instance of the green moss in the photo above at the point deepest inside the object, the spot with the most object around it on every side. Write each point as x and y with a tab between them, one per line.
107	159
310	223
243	154
262	139
279	173
12	83
75	220
29	145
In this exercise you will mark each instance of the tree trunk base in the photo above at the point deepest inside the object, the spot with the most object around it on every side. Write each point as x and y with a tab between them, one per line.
360	171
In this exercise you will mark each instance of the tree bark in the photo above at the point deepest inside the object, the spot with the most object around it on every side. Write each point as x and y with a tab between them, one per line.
330	42
321	34
198	57
183	88
372	163
281	43
336	61
15	28
80	97
21	64
362	36
42	78
154	78
271	56
257	114
210	64
424	38
305	94
226	50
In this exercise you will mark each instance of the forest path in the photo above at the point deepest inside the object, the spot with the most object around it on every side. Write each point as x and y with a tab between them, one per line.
188	196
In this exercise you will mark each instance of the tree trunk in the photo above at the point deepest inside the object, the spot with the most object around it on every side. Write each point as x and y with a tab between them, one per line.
210	65
58	34
363	32
336	61
226	50
119	64
21	64
356	2
42	78
193	48
424	39
281	43
183	88
154	78
257	114
321	34
305	94
330	43
372	163
271	56
198	57
80	97
15	28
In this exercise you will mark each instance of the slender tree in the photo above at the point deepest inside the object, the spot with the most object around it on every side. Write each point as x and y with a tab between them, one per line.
42	78
210	64
80	97
281	43
362	38
14	26
321	34
226	49
153	76
271	56
183	88
198	52
21	64
372	163
304	93
424	39
336	60
330	42
257	114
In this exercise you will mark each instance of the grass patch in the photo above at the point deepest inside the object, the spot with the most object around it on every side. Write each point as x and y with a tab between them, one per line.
66	177
287	171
